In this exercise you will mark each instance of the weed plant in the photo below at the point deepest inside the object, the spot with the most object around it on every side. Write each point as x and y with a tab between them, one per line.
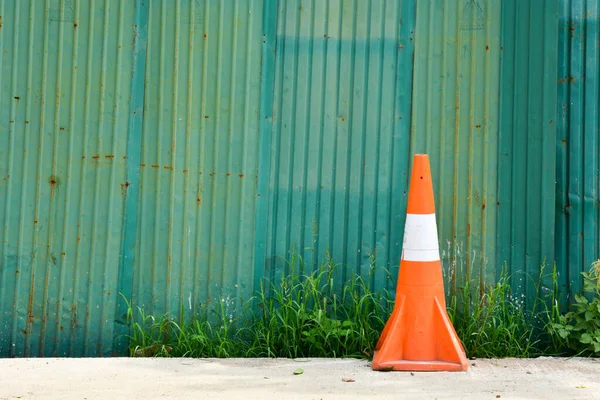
304	315
579	329
295	316
494	322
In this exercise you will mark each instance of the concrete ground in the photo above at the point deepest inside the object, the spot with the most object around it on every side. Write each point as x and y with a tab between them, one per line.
147	378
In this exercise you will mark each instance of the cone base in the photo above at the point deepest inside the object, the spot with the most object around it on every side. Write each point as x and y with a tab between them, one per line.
418	366
390	354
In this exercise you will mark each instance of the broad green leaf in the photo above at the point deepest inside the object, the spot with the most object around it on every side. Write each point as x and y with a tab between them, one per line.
588	286
581	299
597	348
581	323
586	338
580	307
589	315
299	371
563	333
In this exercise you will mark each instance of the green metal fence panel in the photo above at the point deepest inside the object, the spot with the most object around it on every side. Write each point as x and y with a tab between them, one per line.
176	152
64	108
339	149
455	119
526	145
483	108
199	156
132	183
578	142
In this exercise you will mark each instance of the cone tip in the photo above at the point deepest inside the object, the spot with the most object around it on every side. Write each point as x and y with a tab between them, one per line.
420	196
421	163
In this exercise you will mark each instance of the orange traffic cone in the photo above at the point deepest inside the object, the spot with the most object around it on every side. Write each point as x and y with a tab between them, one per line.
419	335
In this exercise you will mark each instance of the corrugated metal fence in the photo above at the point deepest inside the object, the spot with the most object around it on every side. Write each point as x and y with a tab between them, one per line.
65	78
455	120
339	137
484	109
198	155
578	144
175	152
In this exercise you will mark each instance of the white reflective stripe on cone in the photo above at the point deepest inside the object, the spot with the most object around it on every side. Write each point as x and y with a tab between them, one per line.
420	255
420	238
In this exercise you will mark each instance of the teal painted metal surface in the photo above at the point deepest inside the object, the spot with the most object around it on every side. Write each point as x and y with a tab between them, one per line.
176	151
526	145
199	156
266	130
64	106
578	142
483	108
338	167
455	119
132	183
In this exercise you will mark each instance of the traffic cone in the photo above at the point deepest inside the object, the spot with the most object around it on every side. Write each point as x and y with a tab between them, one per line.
419	335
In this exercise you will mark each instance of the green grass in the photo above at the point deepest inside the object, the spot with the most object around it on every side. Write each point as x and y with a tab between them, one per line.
306	316
297	316
496	323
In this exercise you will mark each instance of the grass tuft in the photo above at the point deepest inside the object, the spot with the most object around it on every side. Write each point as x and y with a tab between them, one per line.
307	315
496	323
303	316
295	316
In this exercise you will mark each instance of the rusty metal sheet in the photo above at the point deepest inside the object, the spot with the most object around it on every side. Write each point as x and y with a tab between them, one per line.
64	112
484	109
194	242
455	117
176	151
578	142
527	142
338	161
